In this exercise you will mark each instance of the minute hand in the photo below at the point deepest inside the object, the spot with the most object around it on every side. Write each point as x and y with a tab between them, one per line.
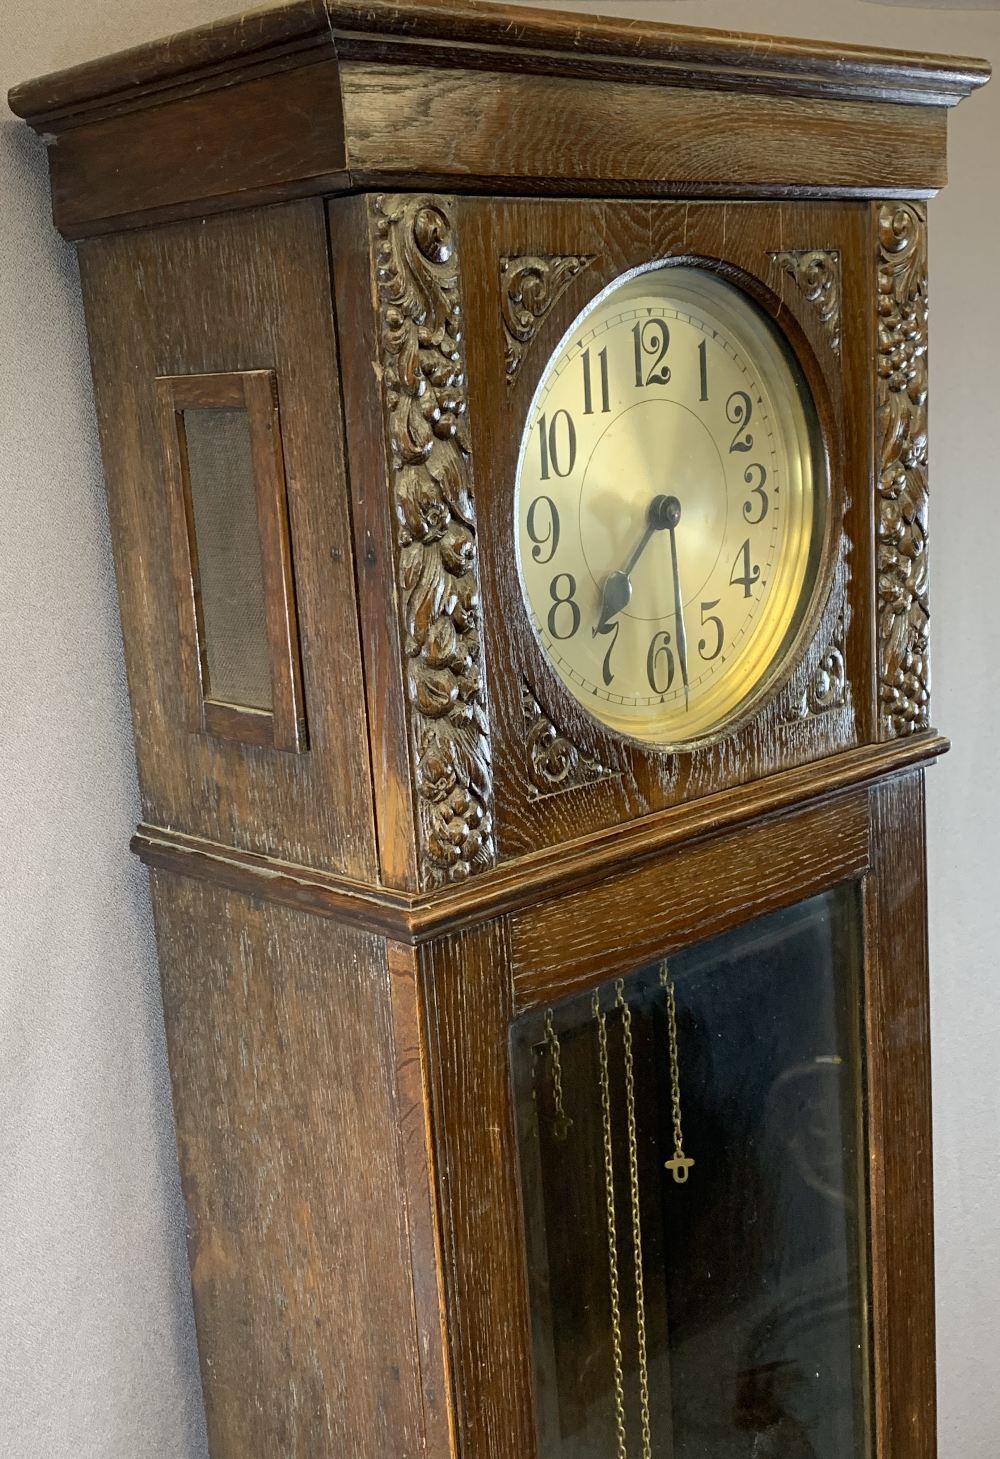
679	604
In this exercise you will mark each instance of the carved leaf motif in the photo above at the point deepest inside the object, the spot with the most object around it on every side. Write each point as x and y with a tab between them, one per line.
423	377
904	670
554	762
828	688
529	286
816	271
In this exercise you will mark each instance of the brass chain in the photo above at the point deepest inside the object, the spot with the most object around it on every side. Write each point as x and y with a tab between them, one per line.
633	1170
562	1120
680	1165
609	1190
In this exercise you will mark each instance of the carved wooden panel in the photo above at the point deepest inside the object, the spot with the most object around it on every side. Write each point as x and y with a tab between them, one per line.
529	286
425	406
901	521
553	762
828	687
816	271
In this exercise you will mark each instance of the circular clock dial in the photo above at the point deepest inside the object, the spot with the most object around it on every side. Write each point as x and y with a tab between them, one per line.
671	502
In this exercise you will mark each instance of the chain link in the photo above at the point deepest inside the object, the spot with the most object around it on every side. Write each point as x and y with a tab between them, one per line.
562	1119
609	1189
680	1165
633	1170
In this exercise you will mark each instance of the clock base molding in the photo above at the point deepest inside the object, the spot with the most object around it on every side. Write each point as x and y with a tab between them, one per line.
414	918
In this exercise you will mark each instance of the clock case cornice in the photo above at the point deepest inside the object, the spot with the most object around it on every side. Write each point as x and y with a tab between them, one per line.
797	118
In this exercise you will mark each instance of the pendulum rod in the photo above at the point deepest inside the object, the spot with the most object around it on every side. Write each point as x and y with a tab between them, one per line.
609	1189
633	1170
681	1164
562	1123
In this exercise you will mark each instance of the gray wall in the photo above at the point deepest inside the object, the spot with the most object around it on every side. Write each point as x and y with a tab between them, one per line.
96	1341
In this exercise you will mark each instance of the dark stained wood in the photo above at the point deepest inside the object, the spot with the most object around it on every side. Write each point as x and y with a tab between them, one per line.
677	142
372	517
692	894
266	108
203	153
421	1175
279	1028
414	918
527	37
468	1008
255	391
899	1104
255	296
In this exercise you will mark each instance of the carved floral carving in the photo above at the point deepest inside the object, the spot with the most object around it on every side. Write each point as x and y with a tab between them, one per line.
554	762
529	286
901	527
816	271
828	688
424	392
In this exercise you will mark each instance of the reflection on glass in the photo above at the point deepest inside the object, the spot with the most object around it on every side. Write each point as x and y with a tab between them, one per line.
694	1201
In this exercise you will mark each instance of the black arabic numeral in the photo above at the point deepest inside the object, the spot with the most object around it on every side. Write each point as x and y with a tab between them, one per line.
588	396
550	448
716	621
607	672
749	575
652	337
568	600
659	648
541	540
758	491
739	409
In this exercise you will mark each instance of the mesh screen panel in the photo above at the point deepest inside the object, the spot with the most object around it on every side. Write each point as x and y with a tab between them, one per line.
224	503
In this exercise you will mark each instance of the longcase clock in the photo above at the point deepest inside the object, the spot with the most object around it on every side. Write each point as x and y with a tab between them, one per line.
515	437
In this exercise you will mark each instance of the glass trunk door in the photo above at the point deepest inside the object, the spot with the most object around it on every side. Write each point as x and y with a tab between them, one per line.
694	1195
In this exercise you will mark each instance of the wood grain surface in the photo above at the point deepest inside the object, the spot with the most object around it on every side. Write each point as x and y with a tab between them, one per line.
290	102
622	138
899	1114
567	945
279	1030
520	35
249	291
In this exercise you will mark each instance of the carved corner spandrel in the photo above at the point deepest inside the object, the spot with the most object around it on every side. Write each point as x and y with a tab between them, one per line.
816	272
529	286
552	761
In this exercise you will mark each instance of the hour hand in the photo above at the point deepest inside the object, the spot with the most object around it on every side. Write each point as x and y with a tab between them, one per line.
615	597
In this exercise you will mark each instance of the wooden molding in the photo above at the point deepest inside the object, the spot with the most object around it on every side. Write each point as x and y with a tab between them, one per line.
415	264
213	119
500	36
415	918
901	457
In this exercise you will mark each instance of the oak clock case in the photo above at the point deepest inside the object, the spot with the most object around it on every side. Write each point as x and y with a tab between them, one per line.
550	1067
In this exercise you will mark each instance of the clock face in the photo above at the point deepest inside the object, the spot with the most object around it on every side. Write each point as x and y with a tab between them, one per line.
672	498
